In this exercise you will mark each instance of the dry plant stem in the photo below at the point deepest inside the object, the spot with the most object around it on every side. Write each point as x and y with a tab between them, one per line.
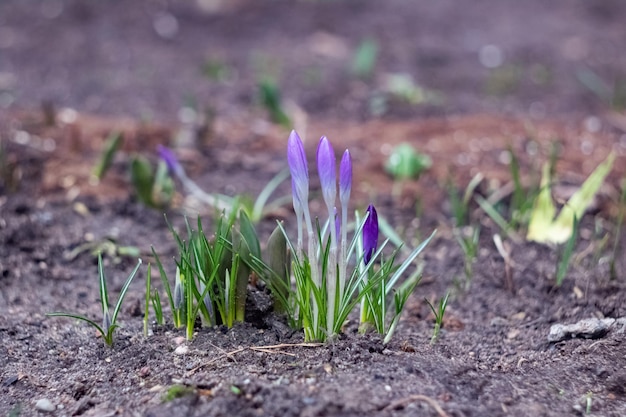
271	349
508	262
417	397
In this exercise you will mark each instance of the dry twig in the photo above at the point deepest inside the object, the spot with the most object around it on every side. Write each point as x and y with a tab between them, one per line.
271	349
417	397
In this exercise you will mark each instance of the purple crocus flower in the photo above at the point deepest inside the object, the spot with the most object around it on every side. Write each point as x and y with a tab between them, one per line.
326	169
299	169
168	156
370	234
345	178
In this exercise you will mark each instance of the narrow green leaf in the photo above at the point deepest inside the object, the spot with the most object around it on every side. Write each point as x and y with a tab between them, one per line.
124	290
111	146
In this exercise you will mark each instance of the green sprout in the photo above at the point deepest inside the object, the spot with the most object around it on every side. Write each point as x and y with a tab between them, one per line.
270	98
146	314
154	188
468	239
176	391
109	322
216	70
611	93
364	59
566	255
10	172
439	313
618	231
111	146
406	163
460	204
517	214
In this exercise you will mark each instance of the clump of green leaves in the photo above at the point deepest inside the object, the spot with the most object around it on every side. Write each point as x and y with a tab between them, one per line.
544	227
109	322
154	188
176	391
212	272
406	163
327	289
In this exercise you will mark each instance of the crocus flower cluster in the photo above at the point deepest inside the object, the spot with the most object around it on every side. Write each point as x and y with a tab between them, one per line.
327	263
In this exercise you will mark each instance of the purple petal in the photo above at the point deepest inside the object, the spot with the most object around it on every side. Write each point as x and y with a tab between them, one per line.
168	156
298	168
370	234
345	178
326	169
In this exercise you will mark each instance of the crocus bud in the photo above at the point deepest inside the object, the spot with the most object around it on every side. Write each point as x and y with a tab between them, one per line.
370	234
168	156
178	290
327	171
345	178
299	170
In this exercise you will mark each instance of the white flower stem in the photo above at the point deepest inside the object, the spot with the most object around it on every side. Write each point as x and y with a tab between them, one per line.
331	273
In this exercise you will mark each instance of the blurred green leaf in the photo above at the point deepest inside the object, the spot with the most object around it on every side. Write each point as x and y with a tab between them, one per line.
364	59
406	163
111	146
543	228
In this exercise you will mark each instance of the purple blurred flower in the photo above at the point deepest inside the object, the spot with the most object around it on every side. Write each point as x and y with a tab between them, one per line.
168	156
299	170
326	169
345	178
370	234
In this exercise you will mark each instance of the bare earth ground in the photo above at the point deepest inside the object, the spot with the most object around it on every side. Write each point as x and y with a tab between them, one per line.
493	357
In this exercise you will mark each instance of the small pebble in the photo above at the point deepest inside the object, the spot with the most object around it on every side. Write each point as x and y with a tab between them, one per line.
181	350
179	340
45	405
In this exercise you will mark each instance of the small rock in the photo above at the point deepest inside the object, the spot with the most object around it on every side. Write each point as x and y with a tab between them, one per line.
587	329
498	322
181	350
179	340
45	405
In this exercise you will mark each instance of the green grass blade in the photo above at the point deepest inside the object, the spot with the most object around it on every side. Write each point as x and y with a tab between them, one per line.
495	216
104	294
578	203
146	314
78	317
264	195
566	257
124	291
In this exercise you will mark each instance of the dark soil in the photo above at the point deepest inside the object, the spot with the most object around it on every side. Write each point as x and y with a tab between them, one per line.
493	357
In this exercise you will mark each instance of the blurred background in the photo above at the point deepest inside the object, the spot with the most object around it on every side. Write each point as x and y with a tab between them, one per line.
355	59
